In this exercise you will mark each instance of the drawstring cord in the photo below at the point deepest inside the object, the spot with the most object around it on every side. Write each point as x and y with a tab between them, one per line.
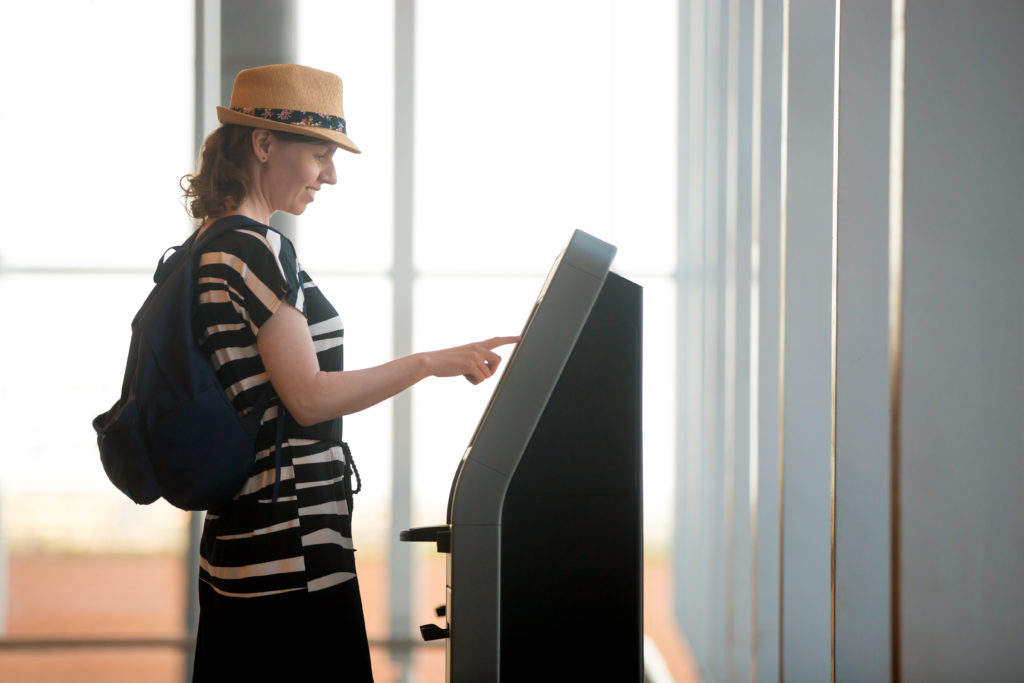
350	468
350	463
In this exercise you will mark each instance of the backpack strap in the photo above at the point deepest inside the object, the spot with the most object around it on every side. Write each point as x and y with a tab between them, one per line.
191	248
194	245
216	229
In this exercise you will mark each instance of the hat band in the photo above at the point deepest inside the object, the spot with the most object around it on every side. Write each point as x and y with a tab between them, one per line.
295	117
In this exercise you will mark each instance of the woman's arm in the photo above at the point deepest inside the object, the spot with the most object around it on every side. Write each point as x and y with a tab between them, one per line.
312	395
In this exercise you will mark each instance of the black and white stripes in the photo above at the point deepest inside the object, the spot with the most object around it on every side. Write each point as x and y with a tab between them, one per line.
302	542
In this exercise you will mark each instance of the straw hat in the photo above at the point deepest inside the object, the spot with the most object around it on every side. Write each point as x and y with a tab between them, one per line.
289	98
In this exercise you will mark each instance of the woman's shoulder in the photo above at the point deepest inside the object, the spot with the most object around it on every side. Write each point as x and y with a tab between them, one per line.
251	258
251	238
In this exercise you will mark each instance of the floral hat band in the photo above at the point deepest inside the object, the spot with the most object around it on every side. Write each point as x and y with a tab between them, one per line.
295	117
290	98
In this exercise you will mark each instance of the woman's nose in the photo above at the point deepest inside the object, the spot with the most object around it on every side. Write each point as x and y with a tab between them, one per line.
329	174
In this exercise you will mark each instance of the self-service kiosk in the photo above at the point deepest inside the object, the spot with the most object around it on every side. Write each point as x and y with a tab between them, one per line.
544	524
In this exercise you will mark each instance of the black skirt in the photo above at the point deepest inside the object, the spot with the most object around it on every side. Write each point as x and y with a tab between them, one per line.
318	636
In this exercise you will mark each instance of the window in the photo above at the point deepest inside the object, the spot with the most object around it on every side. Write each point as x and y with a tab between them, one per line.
532	119
98	121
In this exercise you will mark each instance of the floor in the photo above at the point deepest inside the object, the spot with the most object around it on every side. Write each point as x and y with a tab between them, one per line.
53	596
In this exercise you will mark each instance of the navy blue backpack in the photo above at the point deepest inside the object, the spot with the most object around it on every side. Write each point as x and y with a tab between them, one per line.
174	432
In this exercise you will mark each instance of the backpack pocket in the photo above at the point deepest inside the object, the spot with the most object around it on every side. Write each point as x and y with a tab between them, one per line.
122	451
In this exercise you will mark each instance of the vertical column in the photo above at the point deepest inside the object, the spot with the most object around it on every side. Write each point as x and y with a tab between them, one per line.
256	33
710	254
207	97
960	598
766	188
685	544
728	164
862	635
400	576
231	35
208	68
739	594
715	201
807	235
692	544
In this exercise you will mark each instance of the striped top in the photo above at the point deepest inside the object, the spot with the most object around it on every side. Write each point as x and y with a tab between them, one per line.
253	546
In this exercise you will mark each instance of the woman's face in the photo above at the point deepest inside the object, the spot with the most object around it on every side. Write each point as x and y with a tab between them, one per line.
295	171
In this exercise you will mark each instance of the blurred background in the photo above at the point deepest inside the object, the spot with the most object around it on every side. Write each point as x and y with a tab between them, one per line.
521	128
821	200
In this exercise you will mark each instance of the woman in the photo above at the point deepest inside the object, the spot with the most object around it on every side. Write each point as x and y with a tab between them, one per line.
278	591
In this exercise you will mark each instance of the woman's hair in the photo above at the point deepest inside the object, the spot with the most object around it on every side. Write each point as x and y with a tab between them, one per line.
222	181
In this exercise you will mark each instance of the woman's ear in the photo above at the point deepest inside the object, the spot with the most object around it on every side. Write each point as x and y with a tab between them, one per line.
261	144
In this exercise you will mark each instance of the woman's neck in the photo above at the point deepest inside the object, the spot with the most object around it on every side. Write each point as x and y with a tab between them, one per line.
248	208
253	208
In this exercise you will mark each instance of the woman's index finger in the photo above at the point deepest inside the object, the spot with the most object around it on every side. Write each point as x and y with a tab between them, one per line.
495	342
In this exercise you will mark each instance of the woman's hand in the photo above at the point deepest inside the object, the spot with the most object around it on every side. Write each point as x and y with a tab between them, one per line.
476	362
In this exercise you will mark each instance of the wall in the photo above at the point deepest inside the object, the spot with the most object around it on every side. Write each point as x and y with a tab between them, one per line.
851	384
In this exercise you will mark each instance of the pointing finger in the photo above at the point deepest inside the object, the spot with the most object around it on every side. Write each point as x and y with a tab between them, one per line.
495	342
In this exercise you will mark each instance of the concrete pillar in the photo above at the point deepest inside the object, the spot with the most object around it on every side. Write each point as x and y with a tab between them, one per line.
715	189
862	634
883	392
959	455
257	33
400	590
766	297
691	536
807	352
729	295
207	97
737	347
231	35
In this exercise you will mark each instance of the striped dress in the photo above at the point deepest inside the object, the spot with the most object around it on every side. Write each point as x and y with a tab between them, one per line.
260	556
303	542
